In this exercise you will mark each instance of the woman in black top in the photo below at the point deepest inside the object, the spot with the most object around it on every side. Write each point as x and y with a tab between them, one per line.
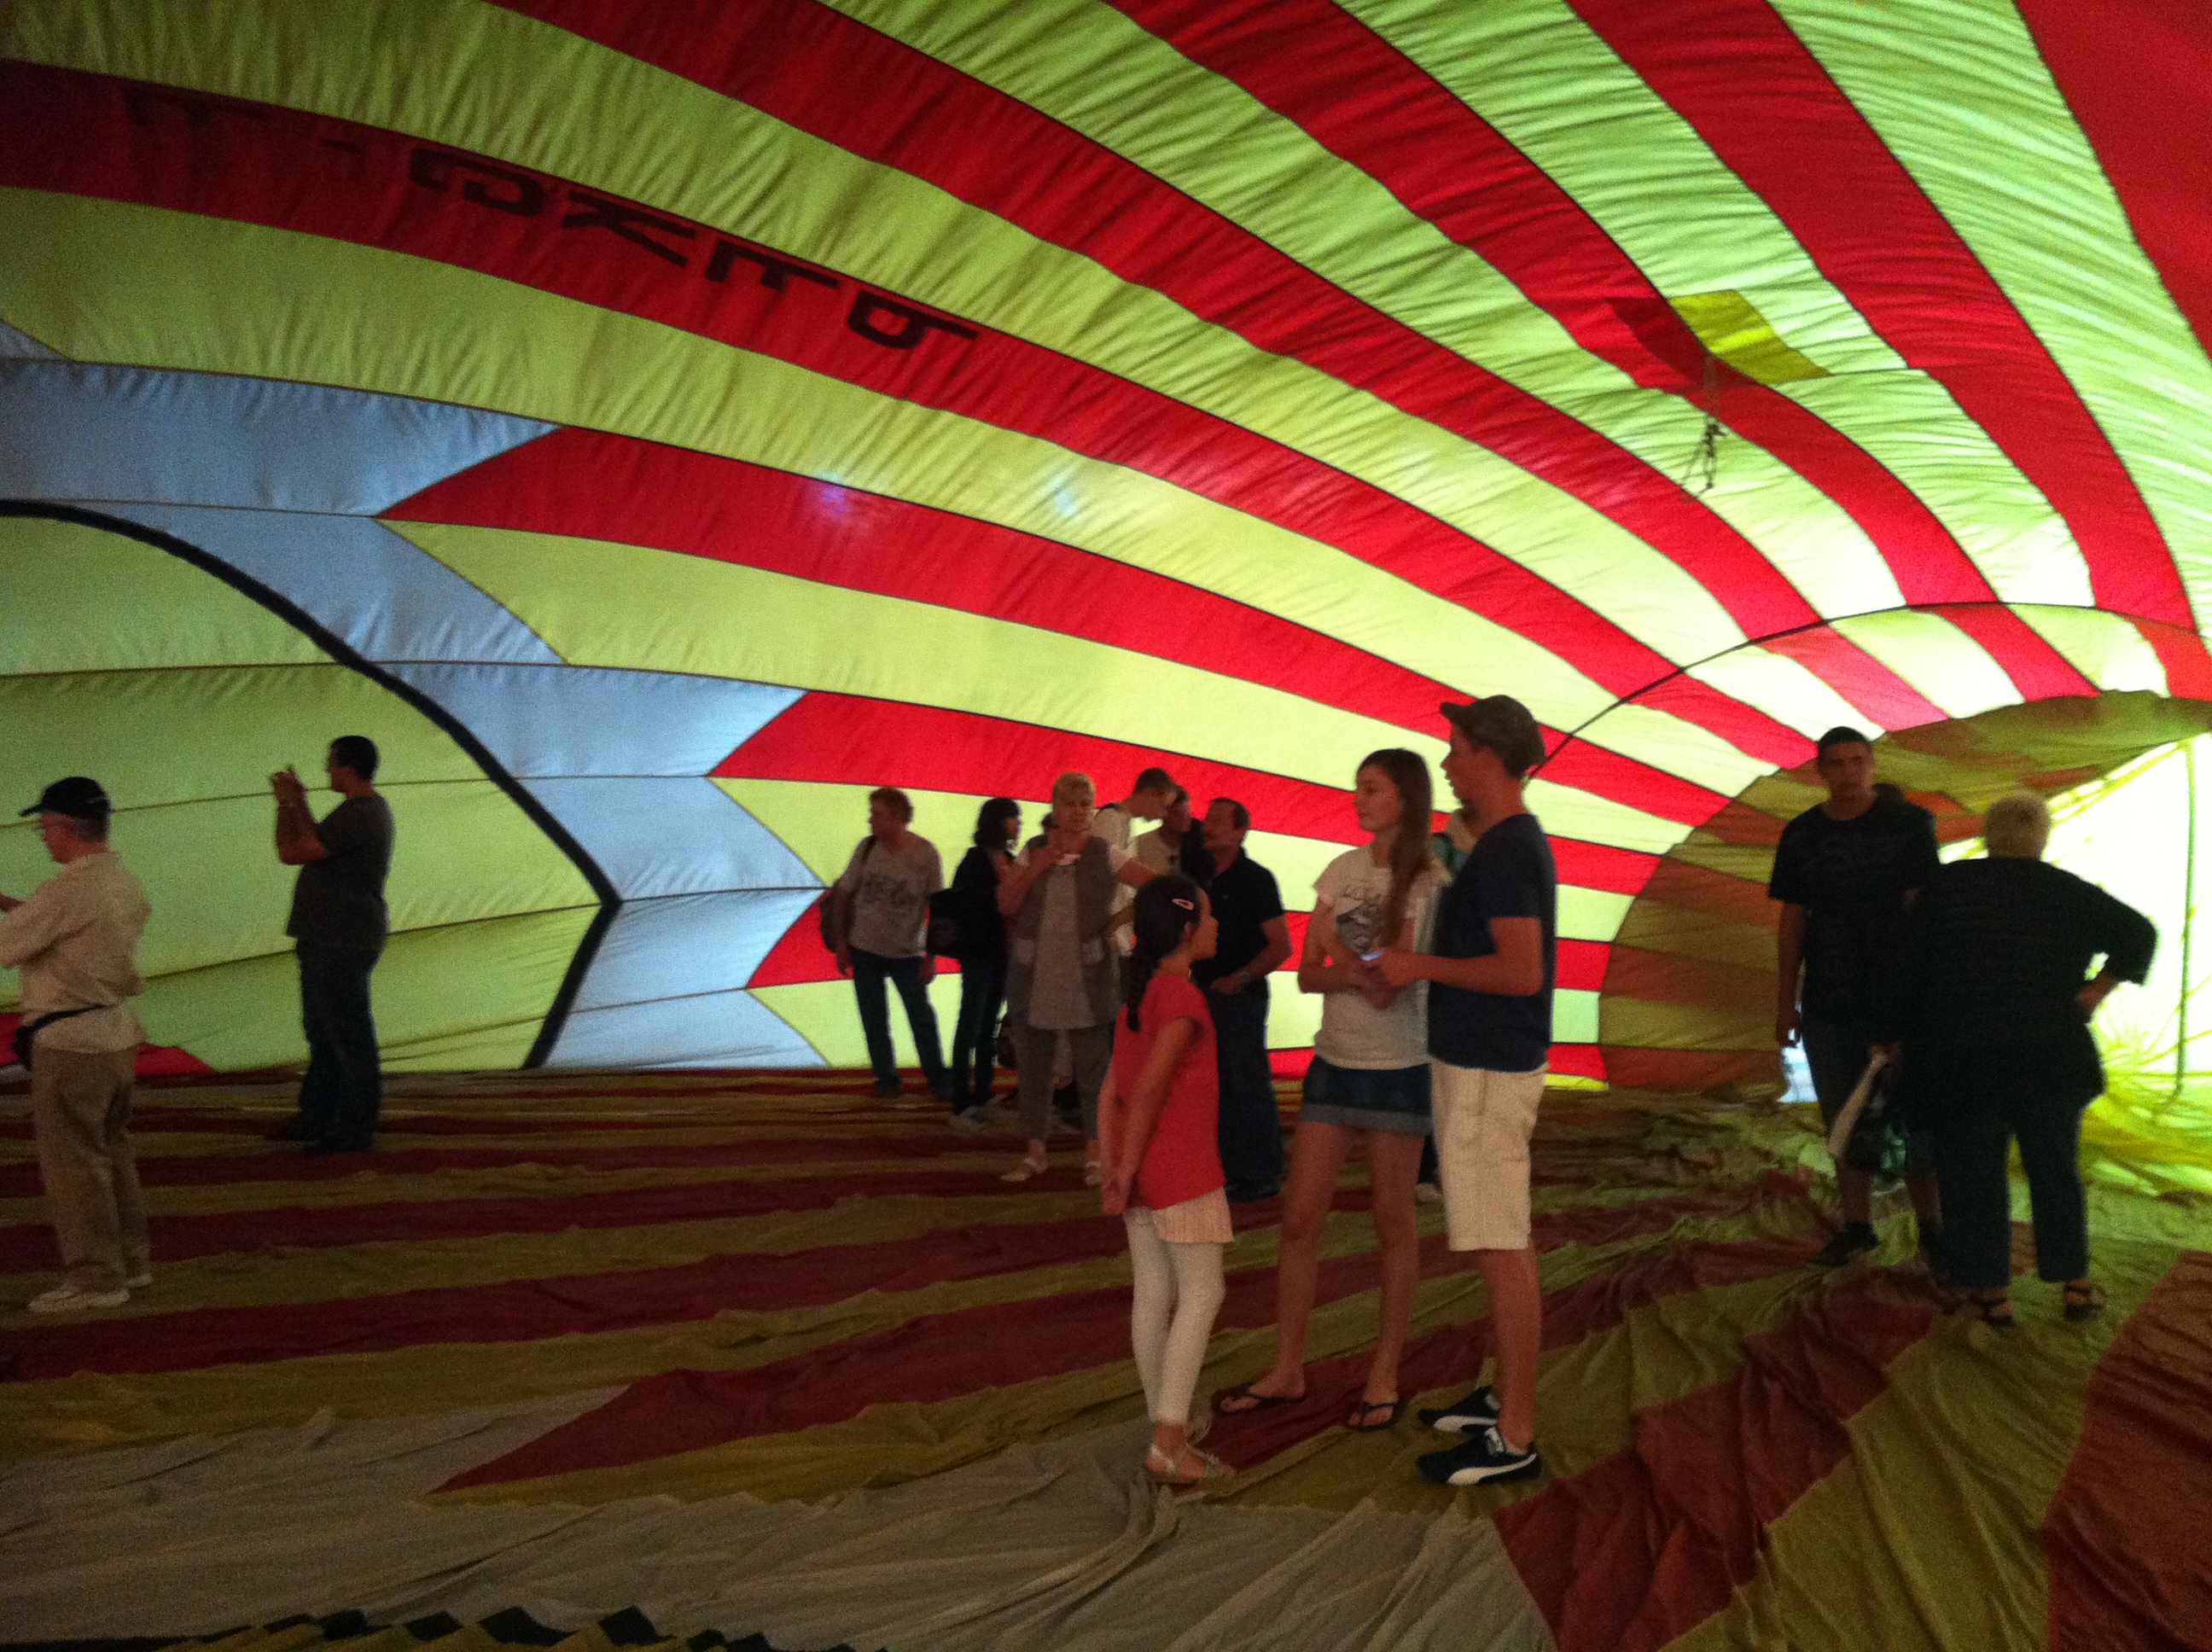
982	959
1997	1044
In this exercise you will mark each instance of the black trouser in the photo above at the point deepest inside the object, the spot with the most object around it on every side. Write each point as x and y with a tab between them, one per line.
344	1088
1251	1126
870	971
975	1034
1973	1126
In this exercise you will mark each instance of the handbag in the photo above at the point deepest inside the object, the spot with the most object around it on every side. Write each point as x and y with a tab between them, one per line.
825	909
944	939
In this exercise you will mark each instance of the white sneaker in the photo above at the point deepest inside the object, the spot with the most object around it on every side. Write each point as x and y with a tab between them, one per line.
72	1299
138	1282
1427	1193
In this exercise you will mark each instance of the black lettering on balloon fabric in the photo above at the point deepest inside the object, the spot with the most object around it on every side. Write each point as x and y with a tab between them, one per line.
775	272
507	192
597	212
912	324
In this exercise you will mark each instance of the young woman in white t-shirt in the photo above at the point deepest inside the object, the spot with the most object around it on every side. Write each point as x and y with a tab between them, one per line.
1368	1081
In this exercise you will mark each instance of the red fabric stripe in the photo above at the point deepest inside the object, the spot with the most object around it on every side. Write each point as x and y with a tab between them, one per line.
210	1170
607	486
1316	65
1578	1060
1876	690
2039	671
257	163
27	1247
844	739
2125	1532
1582	964
799	63
600	486
1600	866
2188	669
1653	1541
1734	70
2138	74
1709	709
944	1356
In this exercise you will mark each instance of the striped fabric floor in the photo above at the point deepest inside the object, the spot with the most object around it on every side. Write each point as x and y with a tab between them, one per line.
735	1356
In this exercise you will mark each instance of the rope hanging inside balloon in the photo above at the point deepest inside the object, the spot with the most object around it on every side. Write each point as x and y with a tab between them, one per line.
1704	467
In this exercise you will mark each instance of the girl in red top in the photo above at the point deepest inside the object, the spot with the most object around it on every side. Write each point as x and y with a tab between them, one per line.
1163	1169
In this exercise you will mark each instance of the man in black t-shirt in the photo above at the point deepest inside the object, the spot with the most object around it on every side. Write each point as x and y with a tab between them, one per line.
1846	872
1490	966
339	925
1255	937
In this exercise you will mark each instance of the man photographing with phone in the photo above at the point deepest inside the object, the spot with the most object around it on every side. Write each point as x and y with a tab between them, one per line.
338	925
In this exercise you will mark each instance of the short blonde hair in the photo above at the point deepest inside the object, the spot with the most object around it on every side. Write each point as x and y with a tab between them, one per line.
2018	825
1066	788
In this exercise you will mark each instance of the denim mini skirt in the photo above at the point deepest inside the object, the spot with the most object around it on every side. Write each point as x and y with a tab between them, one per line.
1396	1099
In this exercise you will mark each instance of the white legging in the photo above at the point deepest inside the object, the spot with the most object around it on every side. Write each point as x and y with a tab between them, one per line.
1178	1292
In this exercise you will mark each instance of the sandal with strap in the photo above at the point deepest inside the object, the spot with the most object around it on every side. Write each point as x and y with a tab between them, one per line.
1243	1401
1162	1470
1374	1416
2084	1300
1094	1174
1028	1171
1995	1307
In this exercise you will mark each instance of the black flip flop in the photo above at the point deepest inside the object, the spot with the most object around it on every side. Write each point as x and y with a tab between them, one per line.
1392	1410
1259	1401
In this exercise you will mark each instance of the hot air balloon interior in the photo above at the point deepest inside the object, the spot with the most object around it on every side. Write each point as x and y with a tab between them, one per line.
658	423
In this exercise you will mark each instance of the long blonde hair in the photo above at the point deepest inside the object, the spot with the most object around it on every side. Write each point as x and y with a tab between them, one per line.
1410	858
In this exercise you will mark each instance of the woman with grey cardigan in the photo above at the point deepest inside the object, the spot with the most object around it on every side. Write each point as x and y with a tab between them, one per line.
1062	971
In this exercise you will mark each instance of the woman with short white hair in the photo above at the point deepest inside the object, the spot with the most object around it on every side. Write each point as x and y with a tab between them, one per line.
1997	1046
1063	971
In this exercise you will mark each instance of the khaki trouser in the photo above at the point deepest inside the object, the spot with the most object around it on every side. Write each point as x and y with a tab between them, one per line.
81	1110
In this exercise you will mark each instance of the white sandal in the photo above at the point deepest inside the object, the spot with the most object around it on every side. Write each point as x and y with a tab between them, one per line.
1094	1174
1027	1170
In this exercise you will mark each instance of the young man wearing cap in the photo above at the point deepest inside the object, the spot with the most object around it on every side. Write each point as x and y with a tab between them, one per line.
1490	1034
339	925
75	940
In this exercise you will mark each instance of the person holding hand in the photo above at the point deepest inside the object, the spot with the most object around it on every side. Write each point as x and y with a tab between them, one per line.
1490	966
1367	1083
1163	1170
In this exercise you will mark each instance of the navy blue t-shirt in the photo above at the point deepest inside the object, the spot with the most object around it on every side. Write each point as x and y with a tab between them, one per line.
1510	874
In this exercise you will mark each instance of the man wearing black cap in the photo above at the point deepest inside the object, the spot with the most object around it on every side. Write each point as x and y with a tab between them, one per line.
339	925
75	939
1490	969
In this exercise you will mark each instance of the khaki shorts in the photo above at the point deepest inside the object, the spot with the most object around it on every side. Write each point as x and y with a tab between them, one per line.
1483	1123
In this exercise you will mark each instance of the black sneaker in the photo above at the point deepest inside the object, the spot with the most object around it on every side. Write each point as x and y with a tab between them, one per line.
1480	1459
1851	1240
1471	1412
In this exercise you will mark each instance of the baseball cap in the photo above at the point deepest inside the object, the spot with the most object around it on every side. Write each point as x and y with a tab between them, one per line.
1503	724
75	796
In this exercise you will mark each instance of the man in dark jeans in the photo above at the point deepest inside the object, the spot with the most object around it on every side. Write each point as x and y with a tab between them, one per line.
1255	937
339	925
1846	872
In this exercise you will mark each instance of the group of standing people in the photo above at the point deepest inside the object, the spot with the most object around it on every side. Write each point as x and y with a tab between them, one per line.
75	940
1435	1019
1044	931
1970	982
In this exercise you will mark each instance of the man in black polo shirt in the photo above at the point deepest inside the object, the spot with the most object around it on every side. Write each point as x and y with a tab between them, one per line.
1846	872
1254	938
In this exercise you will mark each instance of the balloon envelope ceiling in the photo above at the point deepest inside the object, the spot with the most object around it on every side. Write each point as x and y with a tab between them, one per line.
656	424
